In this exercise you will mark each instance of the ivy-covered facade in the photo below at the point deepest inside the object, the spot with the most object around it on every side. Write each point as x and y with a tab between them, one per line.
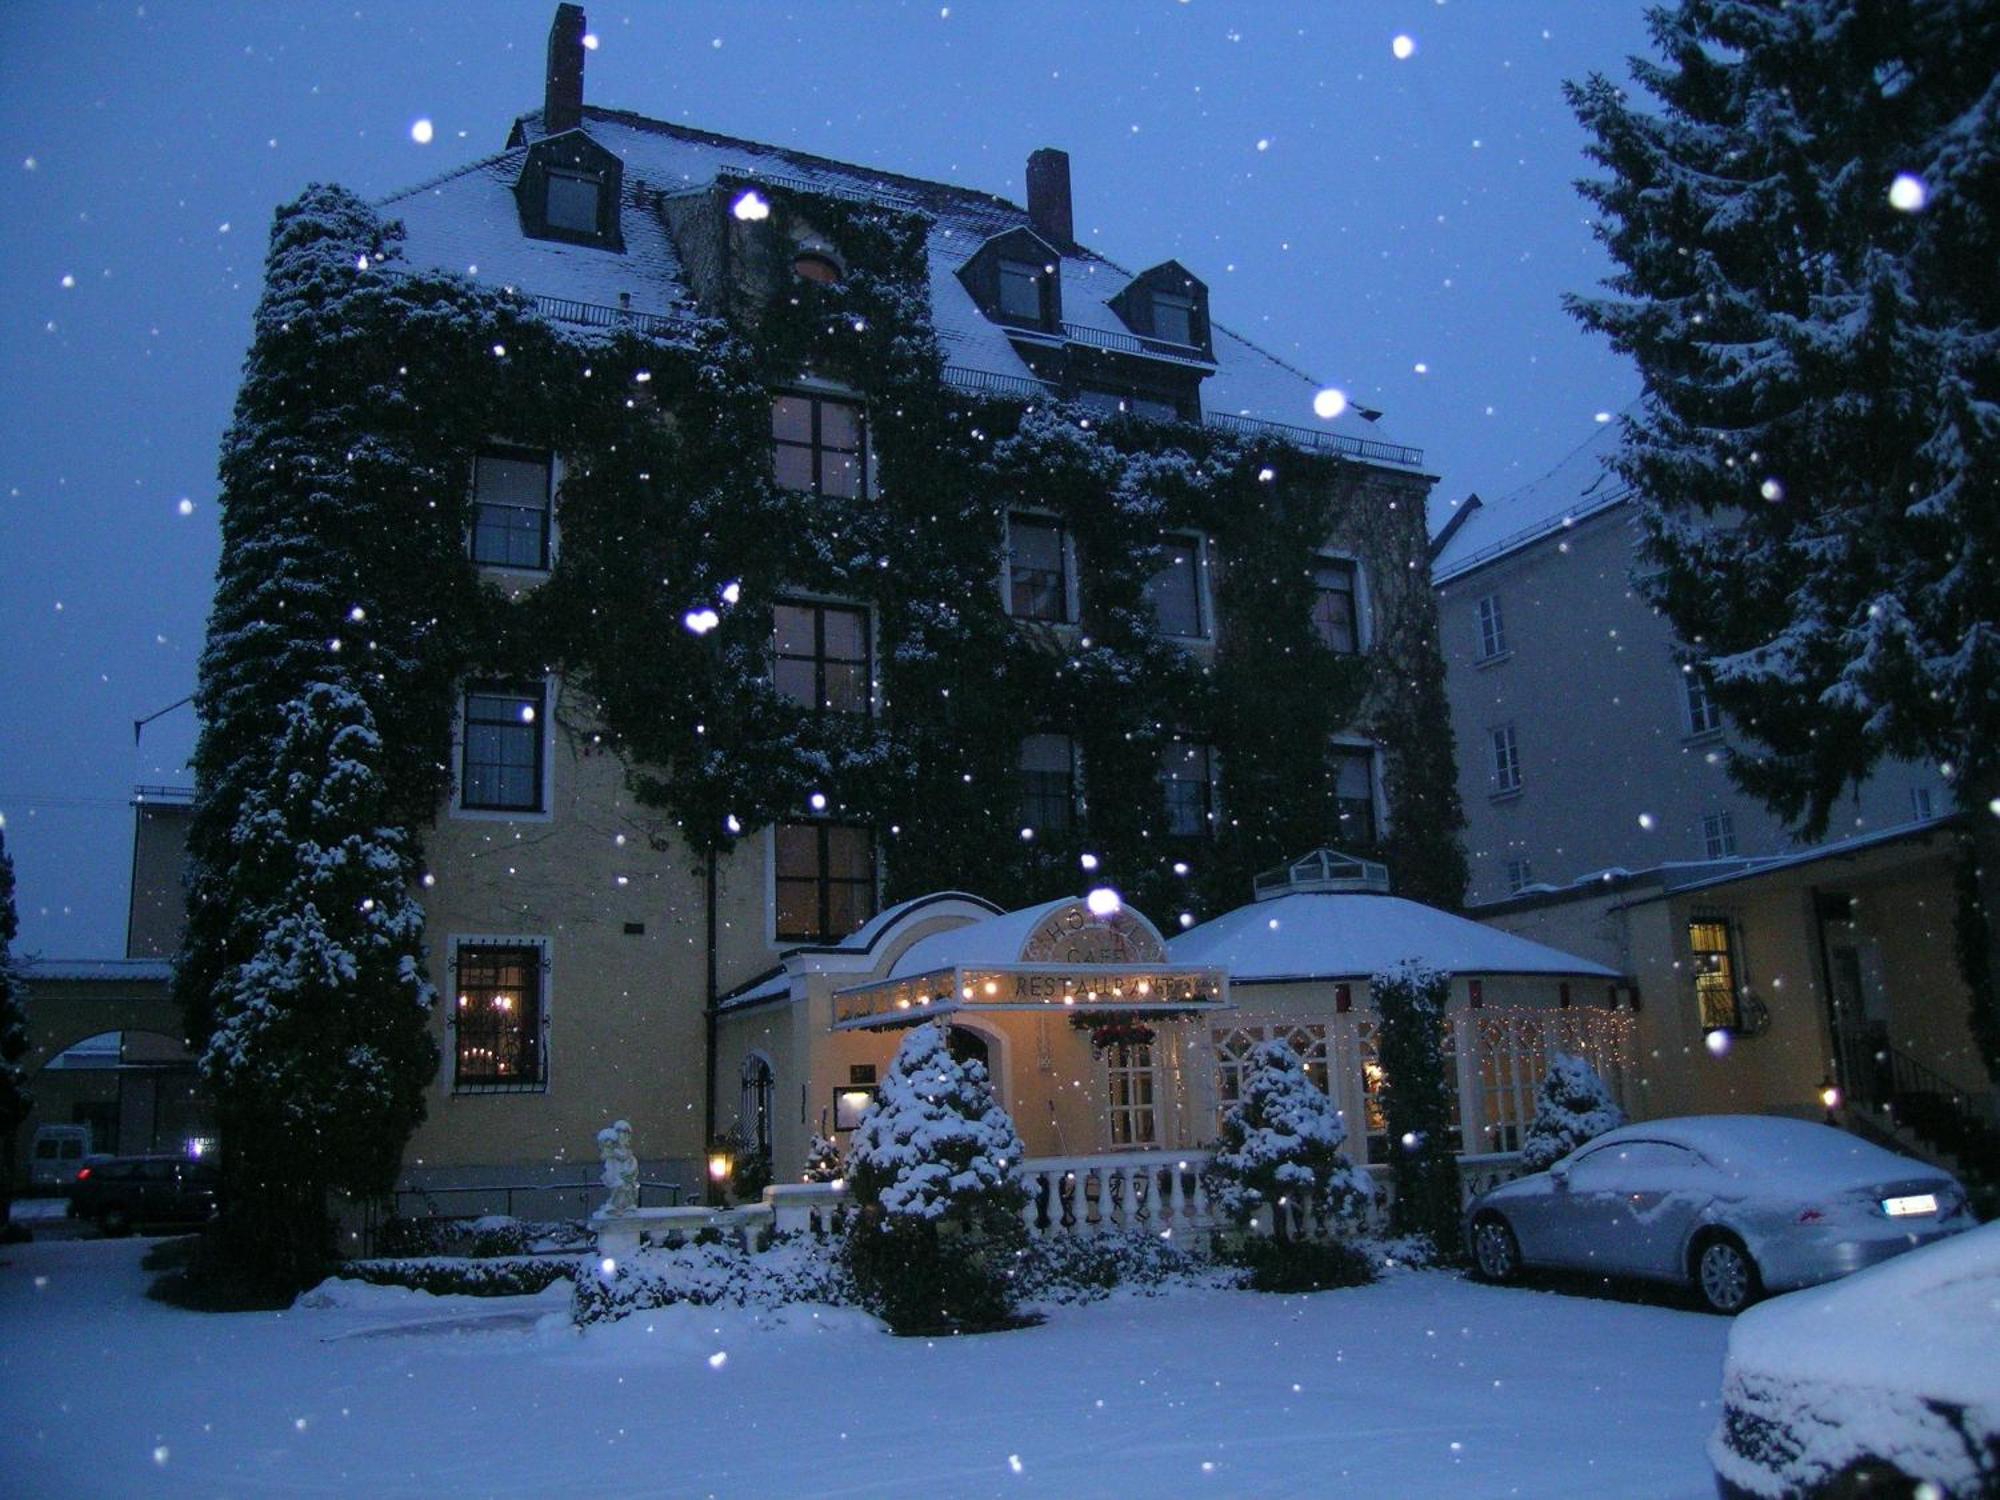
728	544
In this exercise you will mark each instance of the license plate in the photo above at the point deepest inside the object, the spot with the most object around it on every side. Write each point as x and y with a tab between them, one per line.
1918	1203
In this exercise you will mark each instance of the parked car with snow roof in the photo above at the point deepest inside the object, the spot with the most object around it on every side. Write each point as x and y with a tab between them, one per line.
1885	1384
1732	1205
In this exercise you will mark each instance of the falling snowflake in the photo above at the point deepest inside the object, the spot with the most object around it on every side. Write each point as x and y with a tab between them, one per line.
1404	47
751	207
1329	403
1908	193
1103	902
421	131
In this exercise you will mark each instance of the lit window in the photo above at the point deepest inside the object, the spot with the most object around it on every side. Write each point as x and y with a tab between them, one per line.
1519	876
1129	1091
1703	716
1492	629
825	880
1714	973
1335	619
1021	290
820	656
1187	783
1354	793
1173	317
817	445
497	1019
1718	834
502	766
1037	569
510	508
574	200
1048	782
1506	761
1174	590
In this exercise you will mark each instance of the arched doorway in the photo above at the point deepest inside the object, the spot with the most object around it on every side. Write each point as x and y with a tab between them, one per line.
967	1045
136	1090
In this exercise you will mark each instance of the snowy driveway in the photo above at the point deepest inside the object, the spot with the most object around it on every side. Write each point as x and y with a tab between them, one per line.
1423	1385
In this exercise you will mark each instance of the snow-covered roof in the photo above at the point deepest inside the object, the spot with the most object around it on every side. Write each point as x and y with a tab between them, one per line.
1315	935
467	221
1580	486
1001	939
102	970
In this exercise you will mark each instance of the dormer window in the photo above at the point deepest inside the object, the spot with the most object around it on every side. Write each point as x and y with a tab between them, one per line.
573	200
1173	317
569	190
1021	290
812	266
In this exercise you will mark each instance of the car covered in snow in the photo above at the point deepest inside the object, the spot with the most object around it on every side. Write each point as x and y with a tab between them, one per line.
1731	1205
1885	1384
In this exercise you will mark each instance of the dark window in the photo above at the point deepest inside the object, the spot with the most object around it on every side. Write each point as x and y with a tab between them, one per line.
1492	627
1335	620
1702	714
812	266
574	199
1048	782
1187	780
1718	834
1021	290
510	508
754	1108
817	445
1037	569
502	769
1173	317
820	656
825	880
1714	957
1506	761
498	1017
1174	590
1354	792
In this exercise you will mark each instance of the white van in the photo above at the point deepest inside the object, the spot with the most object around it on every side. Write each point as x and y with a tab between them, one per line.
56	1154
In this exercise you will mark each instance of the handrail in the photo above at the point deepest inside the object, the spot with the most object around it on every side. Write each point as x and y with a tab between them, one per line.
1132	343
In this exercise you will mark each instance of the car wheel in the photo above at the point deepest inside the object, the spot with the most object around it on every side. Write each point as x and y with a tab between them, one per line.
1496	1254
1725	1275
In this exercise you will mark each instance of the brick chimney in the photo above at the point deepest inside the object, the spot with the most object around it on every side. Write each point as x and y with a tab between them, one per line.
1048	197
562	97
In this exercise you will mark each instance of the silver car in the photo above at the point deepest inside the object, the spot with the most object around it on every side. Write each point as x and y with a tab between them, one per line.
1732	1205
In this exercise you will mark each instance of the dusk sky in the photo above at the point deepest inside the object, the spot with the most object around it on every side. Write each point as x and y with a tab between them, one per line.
1402	227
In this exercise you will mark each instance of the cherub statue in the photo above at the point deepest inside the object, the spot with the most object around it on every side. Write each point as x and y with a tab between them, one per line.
621	1167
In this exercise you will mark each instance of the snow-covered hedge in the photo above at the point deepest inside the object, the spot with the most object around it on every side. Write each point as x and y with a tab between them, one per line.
480	1239
1571	1107
1080	1268
497	1276
793	1269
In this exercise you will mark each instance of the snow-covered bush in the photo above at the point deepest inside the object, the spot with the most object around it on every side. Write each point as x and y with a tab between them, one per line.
1280	1148
1571	1107
1084	1268
936	1175
443	1276
824	1163
485	1238
796	1268
1416	1099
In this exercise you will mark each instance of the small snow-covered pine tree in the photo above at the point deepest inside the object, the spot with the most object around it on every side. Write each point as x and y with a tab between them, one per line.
1280	1148
1416	1099
1571	1107
14	1100
935	1168
824	1163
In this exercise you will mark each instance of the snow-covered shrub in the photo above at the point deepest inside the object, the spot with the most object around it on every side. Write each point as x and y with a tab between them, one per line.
1276	1265
1571	1107
1083	1268
1280	1148
824	1163
936	1175
1416	1099
442	1276
796	1268
483	1238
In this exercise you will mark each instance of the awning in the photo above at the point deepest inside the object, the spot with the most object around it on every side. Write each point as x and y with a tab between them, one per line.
1071	989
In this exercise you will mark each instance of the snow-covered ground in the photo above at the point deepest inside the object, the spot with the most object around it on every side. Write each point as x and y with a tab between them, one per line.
1423	1385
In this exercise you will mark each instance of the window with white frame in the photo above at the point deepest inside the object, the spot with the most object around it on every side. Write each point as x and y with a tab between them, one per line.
502	767
499	1015
820	655
1038	581
1175	589
1336	616
1506	761
1048	782
825	880
512	500
1703	717
1354	793
1492	627
1520	875
818	444
1131	1095
1188	787
1718	834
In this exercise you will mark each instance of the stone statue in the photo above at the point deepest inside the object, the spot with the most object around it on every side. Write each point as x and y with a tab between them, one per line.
621	1168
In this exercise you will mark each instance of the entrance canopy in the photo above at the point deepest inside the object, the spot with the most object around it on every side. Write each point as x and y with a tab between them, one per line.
1057	956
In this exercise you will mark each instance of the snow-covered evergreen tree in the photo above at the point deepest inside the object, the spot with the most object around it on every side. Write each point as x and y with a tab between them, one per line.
1571	1107
1803	215
14	1099
1280	1148
824	1163
1416	1098
935	1168
321	1045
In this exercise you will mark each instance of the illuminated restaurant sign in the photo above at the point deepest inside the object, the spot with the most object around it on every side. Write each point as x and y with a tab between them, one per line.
1091	987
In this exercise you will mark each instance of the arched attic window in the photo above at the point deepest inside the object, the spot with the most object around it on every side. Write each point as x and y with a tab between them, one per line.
814	265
